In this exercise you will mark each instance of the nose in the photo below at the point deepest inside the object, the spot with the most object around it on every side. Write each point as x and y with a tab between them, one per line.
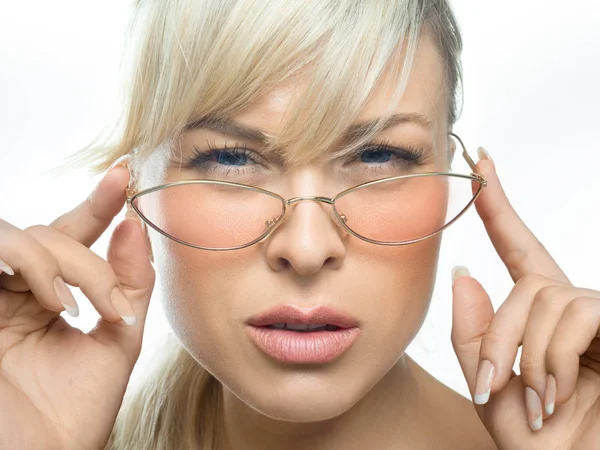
309	238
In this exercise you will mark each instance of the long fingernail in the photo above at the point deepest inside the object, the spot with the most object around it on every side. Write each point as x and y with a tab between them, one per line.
483	154
459	271
122	305
130	214
123	161
550	394
6	268
485	375
66	298
533	404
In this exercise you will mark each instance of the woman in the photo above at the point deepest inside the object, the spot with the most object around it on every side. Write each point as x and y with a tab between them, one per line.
276	116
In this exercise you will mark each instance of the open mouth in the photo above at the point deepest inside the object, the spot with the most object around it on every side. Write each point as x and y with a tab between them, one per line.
303	328
302	343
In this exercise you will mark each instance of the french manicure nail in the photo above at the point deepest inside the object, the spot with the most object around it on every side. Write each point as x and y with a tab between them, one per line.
123	161
485	374
459	271
122	306
6	268
550	394
130	214
533	405
66	298
483	154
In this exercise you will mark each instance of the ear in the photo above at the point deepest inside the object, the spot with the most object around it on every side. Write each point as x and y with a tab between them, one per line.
150	253
451	149
147	238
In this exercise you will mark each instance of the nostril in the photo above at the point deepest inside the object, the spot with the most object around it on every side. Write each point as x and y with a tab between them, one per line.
329	261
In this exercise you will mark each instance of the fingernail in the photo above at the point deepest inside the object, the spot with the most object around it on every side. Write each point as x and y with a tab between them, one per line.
66	298
459	271
130	214
6	268
123	161
485	374
122	306
533	405
483	154
550	394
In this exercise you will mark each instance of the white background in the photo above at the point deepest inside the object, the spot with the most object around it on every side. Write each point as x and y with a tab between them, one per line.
531	95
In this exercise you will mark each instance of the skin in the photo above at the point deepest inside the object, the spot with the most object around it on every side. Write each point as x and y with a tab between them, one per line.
557	326
370	396
65	387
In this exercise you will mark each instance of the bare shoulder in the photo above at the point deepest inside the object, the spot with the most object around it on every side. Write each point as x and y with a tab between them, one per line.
457	425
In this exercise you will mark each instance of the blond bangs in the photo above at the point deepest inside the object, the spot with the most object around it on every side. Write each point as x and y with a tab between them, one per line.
359	51
187	60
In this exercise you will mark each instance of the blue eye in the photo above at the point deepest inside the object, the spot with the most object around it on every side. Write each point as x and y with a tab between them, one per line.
236	159
408	155
371	153
378	157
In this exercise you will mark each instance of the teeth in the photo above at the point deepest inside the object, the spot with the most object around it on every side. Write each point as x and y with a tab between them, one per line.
297	326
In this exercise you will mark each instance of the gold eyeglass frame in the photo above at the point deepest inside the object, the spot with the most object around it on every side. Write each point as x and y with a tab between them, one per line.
476	175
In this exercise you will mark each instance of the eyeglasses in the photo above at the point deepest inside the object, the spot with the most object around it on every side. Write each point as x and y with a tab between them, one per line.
223	215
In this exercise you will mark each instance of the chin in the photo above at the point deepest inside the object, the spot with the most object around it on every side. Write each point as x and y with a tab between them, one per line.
297	405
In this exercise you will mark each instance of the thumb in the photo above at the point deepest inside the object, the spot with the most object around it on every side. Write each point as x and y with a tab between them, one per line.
129	258
472	313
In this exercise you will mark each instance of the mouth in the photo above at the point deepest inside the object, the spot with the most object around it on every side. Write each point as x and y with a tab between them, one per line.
292	317
303	328
293	335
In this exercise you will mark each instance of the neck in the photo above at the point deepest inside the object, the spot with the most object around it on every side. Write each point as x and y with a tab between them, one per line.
389	412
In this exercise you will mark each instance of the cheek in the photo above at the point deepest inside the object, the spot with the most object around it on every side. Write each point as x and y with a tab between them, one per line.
399	282
208	294
203	293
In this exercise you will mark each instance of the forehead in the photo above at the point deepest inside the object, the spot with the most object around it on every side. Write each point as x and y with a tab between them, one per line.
425	95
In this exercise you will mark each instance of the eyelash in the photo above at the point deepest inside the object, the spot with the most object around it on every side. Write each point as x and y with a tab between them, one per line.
407	155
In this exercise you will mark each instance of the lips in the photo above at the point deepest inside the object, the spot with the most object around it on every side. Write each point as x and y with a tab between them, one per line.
294	344
290	314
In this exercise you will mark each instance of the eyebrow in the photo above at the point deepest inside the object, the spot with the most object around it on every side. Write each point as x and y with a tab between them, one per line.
236	129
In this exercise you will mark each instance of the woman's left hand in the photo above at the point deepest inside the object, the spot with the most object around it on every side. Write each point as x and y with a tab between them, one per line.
555	401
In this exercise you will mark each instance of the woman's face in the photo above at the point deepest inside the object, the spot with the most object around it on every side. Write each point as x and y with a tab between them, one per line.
308	260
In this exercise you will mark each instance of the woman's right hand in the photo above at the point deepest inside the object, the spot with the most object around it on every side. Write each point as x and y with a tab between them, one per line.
61	388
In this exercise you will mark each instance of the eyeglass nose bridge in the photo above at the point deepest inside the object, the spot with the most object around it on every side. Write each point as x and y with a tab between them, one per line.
330	201
327	200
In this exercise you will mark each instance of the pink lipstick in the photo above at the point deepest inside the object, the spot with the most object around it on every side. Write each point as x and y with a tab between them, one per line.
294	335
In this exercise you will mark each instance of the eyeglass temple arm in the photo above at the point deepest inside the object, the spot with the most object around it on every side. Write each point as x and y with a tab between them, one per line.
470	161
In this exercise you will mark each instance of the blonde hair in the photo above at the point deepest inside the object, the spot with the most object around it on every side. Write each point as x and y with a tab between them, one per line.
188	60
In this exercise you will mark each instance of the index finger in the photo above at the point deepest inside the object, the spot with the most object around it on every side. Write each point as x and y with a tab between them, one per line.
519	249
87	221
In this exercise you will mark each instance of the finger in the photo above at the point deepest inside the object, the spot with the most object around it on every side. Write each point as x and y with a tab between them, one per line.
472	317
512	323
36	266
577	327
472	312
514	242
87	221
501	341
128	256
83	268
546	311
